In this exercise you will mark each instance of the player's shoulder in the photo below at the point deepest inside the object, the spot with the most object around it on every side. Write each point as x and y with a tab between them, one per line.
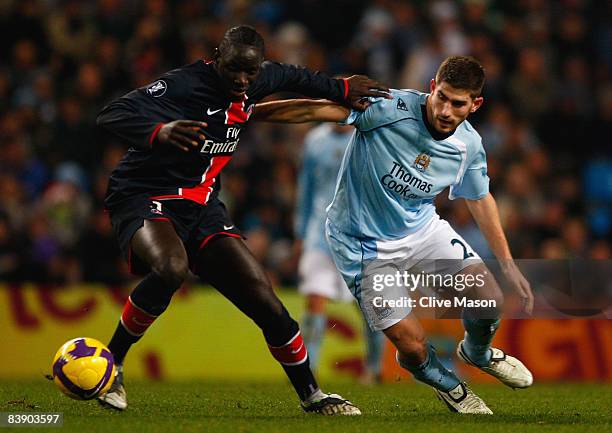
270	66
176	81
468	134
468	131
412	98
403	104
187	70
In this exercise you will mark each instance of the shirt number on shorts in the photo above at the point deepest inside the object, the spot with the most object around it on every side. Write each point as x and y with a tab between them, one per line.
156	207
466	253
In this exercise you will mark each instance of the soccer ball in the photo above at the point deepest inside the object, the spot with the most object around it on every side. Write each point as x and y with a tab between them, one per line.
83	368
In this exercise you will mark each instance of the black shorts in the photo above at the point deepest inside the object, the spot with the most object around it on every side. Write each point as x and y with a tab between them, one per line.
195	224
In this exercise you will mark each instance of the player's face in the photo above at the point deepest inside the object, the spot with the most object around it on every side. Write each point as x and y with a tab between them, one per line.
447	106
238	66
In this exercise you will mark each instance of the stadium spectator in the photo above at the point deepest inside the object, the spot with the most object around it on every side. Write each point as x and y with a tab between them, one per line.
548	90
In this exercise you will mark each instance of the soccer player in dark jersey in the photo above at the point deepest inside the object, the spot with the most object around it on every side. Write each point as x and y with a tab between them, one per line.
162	197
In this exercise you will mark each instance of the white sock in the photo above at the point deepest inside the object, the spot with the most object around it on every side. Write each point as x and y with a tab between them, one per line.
316	396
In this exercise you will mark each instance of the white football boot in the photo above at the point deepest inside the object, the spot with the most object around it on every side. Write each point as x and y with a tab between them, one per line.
116	396
509	370
462	399
331	404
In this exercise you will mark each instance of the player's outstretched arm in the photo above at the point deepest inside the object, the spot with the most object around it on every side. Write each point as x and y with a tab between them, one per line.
486	215
352	91
300	111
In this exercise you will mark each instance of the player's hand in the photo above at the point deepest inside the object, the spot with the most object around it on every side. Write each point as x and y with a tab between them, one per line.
360	87
184	134
519	284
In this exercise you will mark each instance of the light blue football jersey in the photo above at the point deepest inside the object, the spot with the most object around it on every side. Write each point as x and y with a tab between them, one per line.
322	156
393	168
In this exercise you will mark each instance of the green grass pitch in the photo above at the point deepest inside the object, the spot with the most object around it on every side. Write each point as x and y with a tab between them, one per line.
217	406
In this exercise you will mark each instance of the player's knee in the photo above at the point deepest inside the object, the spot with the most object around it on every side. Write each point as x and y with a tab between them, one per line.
498	302
493	293
172	270
411	346
497	296
413	350
416	348
413	353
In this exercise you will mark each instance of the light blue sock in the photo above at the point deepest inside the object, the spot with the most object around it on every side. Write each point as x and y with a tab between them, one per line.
432	372
313	328
375	343
479	333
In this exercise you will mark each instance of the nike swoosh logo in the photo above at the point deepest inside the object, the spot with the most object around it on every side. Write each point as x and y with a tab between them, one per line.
139	323
228	227
211	112
298	349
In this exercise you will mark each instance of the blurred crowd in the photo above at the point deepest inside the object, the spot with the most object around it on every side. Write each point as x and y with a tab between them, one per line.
545	124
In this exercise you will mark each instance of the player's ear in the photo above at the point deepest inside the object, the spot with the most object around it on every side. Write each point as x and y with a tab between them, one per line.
432	85
476	104
216	54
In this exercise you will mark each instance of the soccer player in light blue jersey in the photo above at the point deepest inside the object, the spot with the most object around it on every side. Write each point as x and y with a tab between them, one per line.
406	150
320	281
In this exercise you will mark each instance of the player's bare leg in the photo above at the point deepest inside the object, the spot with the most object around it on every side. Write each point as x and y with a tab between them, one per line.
229	266
480	328
314	323
156	244
419	358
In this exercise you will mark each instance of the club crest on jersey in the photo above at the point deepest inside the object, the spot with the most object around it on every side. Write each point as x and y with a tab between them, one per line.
156	207
401	105
422	161
157	89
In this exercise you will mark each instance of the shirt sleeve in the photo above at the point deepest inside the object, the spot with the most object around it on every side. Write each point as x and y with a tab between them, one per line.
474	183
279	77
368	119
305	191
137	116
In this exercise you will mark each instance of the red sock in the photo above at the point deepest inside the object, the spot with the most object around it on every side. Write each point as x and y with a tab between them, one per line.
135	320
291	353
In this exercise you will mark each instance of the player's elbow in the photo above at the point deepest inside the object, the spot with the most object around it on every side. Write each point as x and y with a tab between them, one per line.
115	114
102	119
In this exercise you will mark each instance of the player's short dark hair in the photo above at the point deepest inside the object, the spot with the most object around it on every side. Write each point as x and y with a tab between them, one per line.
242	35
462	72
